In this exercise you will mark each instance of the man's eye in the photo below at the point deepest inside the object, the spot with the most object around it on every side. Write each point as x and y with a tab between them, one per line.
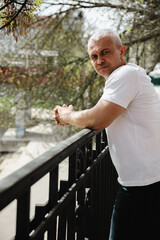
94	57
105	53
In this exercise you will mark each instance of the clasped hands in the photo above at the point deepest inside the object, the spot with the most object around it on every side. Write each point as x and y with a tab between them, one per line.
61	114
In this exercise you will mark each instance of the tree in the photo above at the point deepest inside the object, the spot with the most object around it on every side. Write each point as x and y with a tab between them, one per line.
138	21
71	79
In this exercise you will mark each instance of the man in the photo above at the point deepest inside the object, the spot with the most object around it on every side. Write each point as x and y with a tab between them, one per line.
129	109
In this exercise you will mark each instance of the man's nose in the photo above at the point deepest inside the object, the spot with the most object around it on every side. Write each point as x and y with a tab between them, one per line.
100	60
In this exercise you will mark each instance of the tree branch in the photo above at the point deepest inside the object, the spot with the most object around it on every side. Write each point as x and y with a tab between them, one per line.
12	19
4	6
88	4
142	39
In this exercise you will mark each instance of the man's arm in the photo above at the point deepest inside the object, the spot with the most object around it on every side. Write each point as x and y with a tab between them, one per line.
96	118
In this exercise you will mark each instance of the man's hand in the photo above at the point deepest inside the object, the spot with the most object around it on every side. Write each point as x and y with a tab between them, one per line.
61	114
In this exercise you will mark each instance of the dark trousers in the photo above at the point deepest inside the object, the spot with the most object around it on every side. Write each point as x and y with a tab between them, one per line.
136	213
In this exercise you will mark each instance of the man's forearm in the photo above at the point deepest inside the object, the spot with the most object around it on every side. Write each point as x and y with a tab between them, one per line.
79	118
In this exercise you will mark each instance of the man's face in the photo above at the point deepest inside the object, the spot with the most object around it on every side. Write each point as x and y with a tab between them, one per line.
106	56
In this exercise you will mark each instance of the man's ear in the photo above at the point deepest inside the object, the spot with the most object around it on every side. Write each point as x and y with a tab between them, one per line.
122	50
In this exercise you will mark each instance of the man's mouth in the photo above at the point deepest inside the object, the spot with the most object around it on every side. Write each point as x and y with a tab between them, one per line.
102	67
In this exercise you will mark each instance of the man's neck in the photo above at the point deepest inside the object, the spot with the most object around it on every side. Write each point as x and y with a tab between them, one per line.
107	76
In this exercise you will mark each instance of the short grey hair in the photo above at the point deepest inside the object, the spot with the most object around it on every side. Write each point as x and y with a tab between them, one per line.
105	33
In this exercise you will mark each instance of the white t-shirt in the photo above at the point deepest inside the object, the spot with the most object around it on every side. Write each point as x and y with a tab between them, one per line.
134	137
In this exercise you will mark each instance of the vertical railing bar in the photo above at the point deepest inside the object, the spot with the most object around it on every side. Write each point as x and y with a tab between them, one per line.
98	143
71	214
103	213
94	202
89	155
71	227
62	225
108	192
99	184
94	197
81	202
108	187
53	198
23	212
106	207
99	199
53	188
72	168
111	179
105	137
82	158
63	215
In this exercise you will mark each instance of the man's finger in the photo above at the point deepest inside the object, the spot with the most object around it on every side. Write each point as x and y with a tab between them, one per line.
70	107
55	115
56	108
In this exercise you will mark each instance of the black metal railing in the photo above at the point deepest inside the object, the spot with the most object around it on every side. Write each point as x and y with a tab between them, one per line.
78	207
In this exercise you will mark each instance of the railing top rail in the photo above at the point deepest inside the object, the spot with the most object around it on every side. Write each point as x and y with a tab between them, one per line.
17	183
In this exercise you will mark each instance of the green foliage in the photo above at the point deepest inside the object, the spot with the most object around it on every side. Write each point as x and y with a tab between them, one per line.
6	118
6	103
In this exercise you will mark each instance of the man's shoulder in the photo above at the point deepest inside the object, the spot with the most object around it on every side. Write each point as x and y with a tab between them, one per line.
128	68
125	71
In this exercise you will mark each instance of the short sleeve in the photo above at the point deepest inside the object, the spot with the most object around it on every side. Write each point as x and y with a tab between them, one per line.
121	87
